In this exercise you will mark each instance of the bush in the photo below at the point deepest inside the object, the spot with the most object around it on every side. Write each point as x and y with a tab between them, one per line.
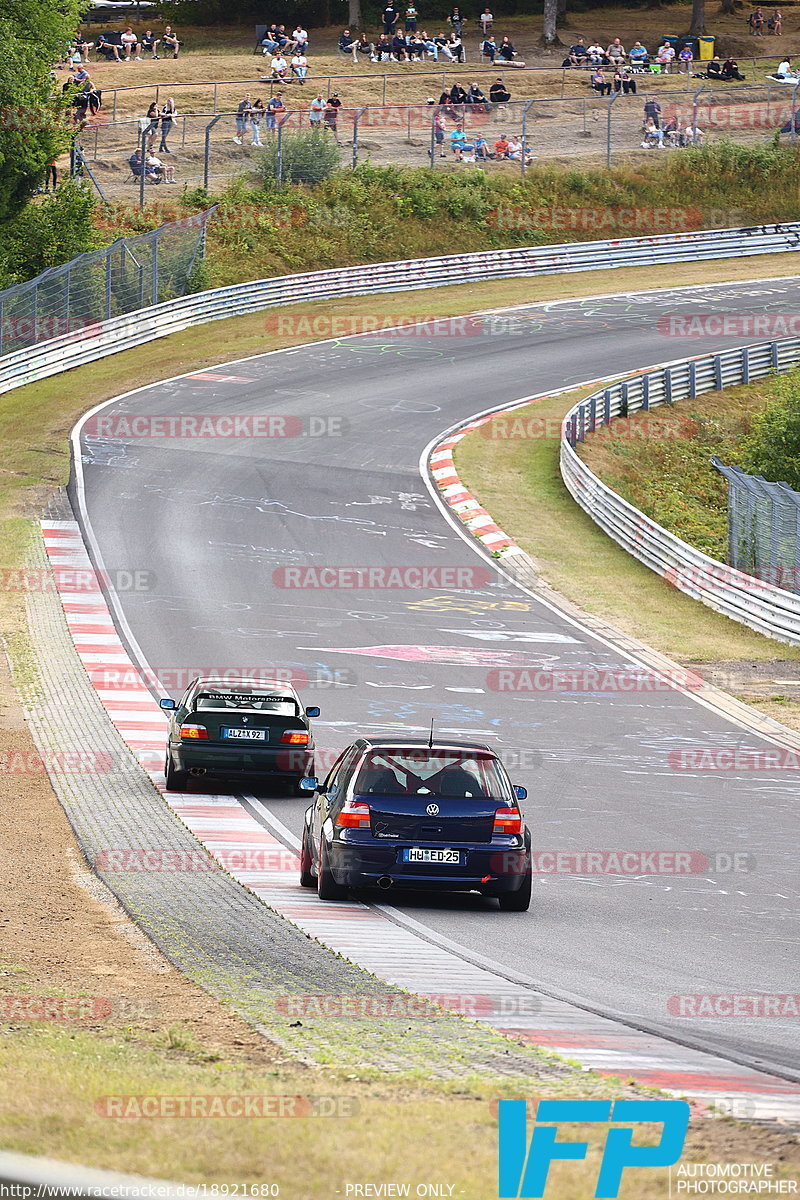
773	447
308	156
47	233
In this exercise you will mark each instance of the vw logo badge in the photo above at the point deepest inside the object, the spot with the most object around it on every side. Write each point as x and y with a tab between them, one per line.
432	810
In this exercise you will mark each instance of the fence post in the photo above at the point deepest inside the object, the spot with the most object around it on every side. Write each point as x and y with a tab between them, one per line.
142	180
794	113
694	113
214	110
524	155
207	148
384	90
356	119
67	284
432	150
114	107
155	267
611	100
96	131
35	312
108	285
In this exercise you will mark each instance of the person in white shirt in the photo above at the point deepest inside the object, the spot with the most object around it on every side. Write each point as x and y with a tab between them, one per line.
300	40
130	43
486	19
785	70
156	168
596	54
278	67
299	65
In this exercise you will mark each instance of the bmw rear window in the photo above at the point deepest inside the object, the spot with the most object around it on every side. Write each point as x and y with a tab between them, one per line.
211	700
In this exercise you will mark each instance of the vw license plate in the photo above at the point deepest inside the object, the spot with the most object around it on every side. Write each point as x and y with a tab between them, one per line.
246	735
418	854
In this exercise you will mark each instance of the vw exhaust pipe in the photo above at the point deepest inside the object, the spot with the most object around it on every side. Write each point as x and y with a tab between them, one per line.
385	882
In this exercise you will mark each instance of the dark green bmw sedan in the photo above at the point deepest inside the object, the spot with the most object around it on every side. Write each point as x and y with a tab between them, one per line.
234	729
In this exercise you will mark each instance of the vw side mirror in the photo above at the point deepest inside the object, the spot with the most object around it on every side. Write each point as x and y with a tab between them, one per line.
309	784
520	792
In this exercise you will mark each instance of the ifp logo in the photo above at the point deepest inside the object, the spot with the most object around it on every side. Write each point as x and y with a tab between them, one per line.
523	1168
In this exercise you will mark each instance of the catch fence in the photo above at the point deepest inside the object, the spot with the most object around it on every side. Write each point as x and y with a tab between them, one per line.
763	527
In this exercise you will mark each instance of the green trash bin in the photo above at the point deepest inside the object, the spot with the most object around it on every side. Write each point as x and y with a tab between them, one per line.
706	48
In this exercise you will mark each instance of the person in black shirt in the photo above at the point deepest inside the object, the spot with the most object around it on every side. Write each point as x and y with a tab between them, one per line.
506	50
499	93
456	20
476	98
457	94
399	48
578	54
390	16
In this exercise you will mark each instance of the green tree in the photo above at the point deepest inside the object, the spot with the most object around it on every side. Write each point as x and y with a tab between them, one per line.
33	130
772	448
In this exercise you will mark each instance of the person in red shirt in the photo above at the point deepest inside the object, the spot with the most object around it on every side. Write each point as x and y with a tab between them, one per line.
501	147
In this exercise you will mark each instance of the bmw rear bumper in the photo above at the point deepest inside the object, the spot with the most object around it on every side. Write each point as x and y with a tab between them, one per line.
287	762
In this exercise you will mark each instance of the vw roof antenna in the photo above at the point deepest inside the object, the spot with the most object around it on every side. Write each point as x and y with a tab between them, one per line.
430	740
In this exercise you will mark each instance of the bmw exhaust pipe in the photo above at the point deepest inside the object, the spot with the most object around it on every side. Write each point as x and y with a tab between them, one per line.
197	771
385	882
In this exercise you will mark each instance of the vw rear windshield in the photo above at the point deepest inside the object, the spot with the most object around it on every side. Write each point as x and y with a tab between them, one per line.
424	772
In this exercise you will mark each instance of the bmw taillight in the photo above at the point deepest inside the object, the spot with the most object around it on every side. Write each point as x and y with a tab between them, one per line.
507	820
354	815
193	732
295	737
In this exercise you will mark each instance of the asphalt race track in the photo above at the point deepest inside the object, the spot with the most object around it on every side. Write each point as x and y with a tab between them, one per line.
213	518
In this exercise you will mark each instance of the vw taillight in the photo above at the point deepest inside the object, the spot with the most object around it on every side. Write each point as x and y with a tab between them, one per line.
354	815
507	820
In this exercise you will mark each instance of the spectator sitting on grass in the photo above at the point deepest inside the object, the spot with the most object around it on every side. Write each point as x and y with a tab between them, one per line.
476	98
82	46
501	147
499	93
348	44
278	67
130	42
714	68
299	65
666	56
784	70
150	44
623	82
615	53
600	83
506	51
107	48
730	69
638	55
578	54
156	168
482	151
456	47
457	94
170	41
458	140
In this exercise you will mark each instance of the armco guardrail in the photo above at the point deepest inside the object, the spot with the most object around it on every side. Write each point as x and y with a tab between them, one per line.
122	333
753	602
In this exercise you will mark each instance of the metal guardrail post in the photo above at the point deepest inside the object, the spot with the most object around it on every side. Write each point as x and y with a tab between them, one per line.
694	113
114	107
108	284
432	150
215	98
143	176
155	267
279	171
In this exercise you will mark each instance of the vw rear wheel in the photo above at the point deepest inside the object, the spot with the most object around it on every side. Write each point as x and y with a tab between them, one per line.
327	887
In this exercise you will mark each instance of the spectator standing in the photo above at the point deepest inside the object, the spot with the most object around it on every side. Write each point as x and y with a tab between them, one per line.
390	16
151	129
331	114
274	111
242	118
411	18
150	44
170	41
456	21
487	20
652	111
256	117
439	131
168	114
317	109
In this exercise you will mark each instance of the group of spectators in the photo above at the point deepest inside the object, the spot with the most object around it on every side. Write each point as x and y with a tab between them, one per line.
637	59
289	58
403	41
128	46
756	22
656	136
151	166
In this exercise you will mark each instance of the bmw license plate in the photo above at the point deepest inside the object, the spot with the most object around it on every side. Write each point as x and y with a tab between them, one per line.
418	854
246	735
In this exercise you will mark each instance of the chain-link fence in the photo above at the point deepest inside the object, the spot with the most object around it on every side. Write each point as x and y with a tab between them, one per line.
763	527
593	128
127	275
